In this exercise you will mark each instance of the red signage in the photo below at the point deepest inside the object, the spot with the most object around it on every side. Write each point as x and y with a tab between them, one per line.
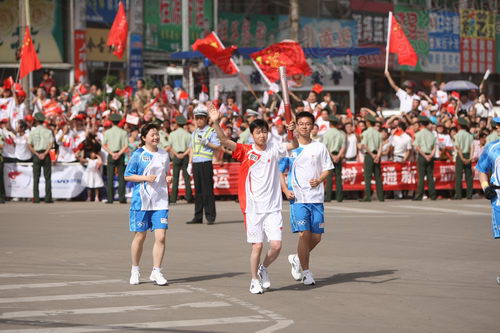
80	56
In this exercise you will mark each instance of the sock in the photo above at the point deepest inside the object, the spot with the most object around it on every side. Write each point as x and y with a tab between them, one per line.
135	268
306	271
156	269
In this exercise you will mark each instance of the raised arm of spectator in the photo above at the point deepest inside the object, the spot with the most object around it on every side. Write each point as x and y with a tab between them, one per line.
370	111
391	81
214	115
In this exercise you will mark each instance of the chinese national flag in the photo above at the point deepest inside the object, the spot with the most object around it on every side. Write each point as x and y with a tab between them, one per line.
289	54
212	48
399	44
29	59
118	34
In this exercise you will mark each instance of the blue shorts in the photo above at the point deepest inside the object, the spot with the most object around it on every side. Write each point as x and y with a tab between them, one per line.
143	220
307	217
495	219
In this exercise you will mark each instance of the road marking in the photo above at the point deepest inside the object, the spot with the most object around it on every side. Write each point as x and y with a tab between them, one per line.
13	275
357	210
202	305
442	210
57	284
138	326
477	206
281	324
93	295
48	313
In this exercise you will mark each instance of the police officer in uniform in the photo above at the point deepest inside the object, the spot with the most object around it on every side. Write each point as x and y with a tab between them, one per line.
203	143
464	144
179	142
245	136
425	146
115	143
372	144
335	142
40	141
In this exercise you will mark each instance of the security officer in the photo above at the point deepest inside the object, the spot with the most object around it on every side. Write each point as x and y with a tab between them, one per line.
493	136
335	142
40	141
203	143
245	136
425	146
179	142
464	144
115	143
372	143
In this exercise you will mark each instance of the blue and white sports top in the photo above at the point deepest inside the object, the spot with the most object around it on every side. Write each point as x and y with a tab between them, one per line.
149	196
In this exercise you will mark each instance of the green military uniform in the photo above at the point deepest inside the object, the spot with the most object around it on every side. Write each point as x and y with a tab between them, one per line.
372	140
334	140
180	141
115	139
41	139
425	140
463	143
164	143
2	185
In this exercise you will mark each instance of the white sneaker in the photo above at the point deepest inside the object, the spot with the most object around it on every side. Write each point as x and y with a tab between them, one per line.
264	277
157	277
498	279
134	276
308	278
256	287
293	259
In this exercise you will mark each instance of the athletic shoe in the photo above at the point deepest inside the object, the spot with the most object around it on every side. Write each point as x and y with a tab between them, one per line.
157	277
256	287
308	279
296	270
264	277
134	276
498	279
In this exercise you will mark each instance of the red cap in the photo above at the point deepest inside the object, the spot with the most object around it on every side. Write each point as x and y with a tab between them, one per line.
21	93
8	82
82	89
107	123
80	116
4	120
28	117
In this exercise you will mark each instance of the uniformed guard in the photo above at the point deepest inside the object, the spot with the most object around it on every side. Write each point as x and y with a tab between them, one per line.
464	145
493	136
425	146
203	143
335	142
115	143
372	144
245	136
179	142
40	141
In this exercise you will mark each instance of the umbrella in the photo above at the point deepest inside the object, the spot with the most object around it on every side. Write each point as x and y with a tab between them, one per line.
460	85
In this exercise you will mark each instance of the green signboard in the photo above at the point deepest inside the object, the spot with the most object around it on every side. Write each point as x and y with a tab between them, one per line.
247	31
163	23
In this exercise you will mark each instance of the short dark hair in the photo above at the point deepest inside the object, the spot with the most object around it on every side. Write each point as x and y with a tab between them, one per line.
145	130
258	123
402	125
305	114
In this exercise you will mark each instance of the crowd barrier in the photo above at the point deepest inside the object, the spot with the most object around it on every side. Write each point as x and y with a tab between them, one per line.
66	178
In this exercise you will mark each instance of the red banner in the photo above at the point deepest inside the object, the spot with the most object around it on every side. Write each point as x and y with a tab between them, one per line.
395	176
80	56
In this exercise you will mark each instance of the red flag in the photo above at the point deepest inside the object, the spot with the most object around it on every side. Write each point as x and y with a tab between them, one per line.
399	44
118	34
289	54
29	59
317	88
212	48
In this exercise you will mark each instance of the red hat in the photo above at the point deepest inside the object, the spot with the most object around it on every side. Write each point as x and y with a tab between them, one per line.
82	89
80	116
204	88
107	123
455	94
103	105
4	120
21	93
8	82
317	88
29	118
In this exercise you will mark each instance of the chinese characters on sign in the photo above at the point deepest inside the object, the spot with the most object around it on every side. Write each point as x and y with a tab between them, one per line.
477	32
80	56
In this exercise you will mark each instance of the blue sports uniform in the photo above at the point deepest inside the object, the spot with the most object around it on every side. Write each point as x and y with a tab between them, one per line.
303	164
149	205
489	161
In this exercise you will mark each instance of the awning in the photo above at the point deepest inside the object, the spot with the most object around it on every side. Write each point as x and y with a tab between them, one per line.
310	52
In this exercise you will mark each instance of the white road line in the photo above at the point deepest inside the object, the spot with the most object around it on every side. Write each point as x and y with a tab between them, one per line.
281	324
442	210
93	295
138	326
48	313
14	275
357	210
477	206
202	305
57	284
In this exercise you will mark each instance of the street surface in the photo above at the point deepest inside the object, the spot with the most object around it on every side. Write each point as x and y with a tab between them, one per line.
397	266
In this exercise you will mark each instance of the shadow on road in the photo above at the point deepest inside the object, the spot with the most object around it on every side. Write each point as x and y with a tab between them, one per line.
342	278
205	277
228	222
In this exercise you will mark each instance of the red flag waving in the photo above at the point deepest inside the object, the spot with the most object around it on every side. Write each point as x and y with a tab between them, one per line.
118	34
289	54
29	59
212	48
399	44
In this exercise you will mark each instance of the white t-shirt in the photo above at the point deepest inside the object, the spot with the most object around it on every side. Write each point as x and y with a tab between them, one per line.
401	144
305	163
67	145
405	101
351	148
259	189
482	111
9	149
22	151
442	97
443	141
323	125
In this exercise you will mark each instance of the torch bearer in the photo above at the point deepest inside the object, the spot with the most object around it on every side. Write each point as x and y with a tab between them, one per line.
286	99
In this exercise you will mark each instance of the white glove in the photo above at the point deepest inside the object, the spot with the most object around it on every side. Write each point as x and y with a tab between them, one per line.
190	169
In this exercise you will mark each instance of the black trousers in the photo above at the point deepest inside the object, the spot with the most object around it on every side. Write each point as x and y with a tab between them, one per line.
339	192
204	199
46	164
425	170
178	165
460	168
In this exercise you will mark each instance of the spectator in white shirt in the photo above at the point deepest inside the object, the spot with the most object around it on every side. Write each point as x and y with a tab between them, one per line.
351	152
323	122
405	96
444	144
23	154
401	143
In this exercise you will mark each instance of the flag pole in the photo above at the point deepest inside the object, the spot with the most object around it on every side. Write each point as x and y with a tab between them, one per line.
249	86
389	27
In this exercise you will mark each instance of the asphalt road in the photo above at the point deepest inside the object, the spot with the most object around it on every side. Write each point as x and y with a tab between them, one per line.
397	266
